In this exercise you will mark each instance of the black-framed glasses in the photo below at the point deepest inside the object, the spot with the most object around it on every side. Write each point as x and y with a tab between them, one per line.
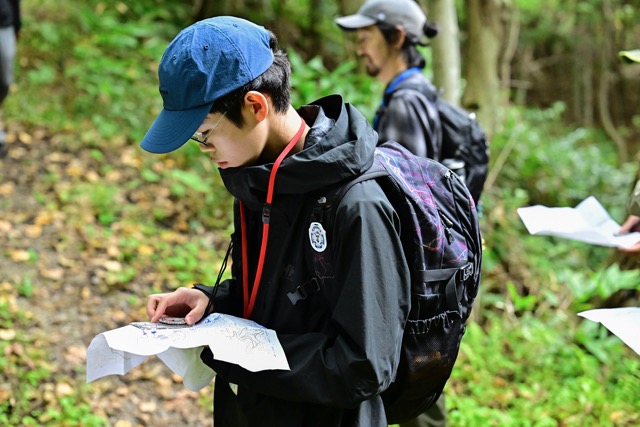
202	137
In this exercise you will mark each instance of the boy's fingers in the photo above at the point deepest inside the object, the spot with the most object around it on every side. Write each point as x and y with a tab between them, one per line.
193	316
159	312
152	303
156	306
197	313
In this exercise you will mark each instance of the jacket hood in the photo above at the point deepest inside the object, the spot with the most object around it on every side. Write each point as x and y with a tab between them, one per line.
339	147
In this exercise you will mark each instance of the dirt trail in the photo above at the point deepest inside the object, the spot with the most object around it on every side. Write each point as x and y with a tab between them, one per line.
39	251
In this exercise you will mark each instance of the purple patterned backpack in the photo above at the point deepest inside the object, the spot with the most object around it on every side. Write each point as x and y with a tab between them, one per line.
442	245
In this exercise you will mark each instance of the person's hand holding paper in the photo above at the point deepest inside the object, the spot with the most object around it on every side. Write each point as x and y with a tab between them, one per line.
588	222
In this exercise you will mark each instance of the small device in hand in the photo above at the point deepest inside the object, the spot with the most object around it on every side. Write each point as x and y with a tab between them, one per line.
175	321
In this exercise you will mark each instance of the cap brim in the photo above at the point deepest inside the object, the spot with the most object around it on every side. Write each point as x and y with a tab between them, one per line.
630	55
172	129
353	22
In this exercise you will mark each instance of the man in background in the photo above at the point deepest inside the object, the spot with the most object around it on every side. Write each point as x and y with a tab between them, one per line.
9	32
387	35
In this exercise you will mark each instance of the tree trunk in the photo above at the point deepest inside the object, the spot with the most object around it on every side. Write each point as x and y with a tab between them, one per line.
204	9
482	93
606	53
315	43
509	52
446	49
345	7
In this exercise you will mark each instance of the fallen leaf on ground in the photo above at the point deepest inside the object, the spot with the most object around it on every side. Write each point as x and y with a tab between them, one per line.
6	189
33	231
148	407
20	255
7	334
52	273
76	354
63	389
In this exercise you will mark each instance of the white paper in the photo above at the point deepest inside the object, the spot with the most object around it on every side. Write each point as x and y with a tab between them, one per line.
588	222
230	339
623	322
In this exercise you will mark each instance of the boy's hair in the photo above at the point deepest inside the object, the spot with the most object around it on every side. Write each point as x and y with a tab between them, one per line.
409	49
275	82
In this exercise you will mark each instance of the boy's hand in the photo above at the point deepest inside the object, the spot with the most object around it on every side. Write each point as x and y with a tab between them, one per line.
183	302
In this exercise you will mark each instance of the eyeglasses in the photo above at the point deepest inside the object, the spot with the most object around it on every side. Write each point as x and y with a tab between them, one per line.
202	137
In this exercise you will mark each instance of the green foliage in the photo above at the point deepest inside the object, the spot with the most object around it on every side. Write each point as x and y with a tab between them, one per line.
311	80
25	288
539	350
530	372
90	64
536	160
29	383
557	165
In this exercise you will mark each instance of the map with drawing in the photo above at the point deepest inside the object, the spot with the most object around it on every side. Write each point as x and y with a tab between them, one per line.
231	339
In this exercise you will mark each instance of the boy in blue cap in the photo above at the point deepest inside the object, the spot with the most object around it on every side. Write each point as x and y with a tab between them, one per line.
225	85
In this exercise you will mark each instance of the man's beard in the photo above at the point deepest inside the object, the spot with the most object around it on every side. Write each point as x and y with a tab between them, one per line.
371	69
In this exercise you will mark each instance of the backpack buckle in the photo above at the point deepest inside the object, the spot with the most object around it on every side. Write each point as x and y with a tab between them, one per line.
304	291
466	272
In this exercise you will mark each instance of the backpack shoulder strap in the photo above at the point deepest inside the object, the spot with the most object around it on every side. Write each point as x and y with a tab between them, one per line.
323	213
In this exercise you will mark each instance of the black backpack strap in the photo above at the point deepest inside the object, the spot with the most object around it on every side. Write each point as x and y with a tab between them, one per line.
455	277
323	212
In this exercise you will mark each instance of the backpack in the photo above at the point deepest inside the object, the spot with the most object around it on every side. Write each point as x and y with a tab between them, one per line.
465	148
442	245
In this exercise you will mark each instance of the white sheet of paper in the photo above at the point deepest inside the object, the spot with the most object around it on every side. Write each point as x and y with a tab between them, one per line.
230	338
588	222
623	322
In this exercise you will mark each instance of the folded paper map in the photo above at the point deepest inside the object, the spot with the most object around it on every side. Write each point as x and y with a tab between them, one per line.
231	339
588	222
623	322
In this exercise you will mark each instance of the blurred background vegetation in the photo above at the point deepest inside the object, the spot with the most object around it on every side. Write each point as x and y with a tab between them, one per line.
86	92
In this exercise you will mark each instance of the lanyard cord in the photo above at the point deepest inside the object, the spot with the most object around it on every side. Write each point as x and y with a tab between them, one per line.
392	86
248	304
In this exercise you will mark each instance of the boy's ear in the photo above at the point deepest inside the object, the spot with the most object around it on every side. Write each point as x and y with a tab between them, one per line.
257	105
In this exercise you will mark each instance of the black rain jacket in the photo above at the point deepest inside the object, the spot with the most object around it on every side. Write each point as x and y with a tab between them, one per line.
343	342
410	117
10	14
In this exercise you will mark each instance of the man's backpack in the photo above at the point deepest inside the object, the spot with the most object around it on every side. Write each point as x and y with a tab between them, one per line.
465	148
442	245
463	139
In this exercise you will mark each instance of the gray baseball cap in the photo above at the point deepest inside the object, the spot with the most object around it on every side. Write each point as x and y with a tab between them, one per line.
406	13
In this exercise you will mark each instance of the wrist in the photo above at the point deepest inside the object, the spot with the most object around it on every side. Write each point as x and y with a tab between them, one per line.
208	291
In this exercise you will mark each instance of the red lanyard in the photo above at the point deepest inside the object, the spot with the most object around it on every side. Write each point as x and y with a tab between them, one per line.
266	213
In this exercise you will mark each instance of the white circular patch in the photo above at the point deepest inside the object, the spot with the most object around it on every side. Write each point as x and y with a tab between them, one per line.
317	237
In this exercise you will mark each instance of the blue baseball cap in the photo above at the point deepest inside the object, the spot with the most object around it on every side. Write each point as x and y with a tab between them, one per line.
205	61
